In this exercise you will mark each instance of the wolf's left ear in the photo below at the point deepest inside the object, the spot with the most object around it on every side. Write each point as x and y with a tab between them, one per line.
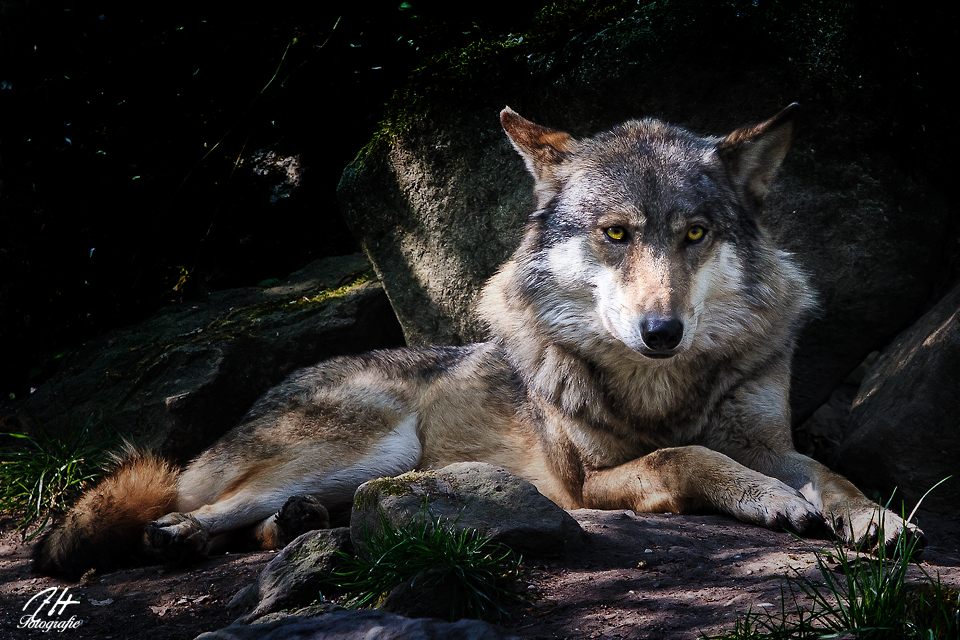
542	148
753	154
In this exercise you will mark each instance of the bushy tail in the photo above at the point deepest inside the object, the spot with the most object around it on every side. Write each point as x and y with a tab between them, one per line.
104	529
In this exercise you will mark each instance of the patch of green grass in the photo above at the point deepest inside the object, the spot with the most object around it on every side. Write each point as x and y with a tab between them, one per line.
469	568
40	475
867	596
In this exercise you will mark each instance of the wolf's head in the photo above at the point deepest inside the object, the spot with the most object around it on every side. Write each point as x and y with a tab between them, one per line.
646	235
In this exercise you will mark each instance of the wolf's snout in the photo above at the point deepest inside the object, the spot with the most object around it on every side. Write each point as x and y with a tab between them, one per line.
661	334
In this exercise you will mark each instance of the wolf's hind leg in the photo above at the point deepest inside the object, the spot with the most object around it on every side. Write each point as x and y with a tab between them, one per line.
183	537
246	496
179	538
258	497
250	519
690	478
298	515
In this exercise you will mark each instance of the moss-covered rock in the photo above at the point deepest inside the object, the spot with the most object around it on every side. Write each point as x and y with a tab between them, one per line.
469	495
184	377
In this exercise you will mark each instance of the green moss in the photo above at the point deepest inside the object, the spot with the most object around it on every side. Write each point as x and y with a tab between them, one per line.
397	487
366	497
297	303
418	476
241	323
459	75
601	38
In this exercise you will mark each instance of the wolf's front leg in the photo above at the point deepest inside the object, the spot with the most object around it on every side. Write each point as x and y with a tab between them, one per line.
692	478
855	519
753	427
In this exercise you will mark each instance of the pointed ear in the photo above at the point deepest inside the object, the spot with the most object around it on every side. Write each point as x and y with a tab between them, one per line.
542	149
753	154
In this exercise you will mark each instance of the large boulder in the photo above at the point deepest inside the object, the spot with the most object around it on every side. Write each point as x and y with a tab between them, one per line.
904	430
469	495
437	212
185	376
439	203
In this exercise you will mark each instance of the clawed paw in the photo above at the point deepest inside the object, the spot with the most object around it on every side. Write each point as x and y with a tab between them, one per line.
872	528
177	538
810	524
782	508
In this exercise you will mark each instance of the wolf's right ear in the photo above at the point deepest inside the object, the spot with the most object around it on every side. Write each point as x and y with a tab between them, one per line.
753	154
542	148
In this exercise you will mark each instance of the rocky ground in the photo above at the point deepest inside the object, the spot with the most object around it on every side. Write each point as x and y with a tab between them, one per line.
641	576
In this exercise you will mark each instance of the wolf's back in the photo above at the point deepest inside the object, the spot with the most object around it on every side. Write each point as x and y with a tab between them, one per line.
104	529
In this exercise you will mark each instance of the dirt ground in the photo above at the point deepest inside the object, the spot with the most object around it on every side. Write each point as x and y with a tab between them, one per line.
641	576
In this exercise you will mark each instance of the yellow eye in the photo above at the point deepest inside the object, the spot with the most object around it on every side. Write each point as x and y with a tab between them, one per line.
695	234
616	233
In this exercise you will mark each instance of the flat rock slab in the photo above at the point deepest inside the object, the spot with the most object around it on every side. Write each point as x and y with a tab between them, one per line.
360	625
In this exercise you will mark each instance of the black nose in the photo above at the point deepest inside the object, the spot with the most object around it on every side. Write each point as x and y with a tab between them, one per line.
661	334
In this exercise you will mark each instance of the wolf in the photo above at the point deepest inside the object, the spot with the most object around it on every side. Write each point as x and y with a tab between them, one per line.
639	354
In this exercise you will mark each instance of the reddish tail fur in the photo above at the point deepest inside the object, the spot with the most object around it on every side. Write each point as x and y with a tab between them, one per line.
104	529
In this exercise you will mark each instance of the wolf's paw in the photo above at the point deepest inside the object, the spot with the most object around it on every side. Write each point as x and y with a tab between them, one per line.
796	514
781	508
861	526
177	538
298	515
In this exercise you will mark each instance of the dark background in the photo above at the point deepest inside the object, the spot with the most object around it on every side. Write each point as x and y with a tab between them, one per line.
122	129
112	194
